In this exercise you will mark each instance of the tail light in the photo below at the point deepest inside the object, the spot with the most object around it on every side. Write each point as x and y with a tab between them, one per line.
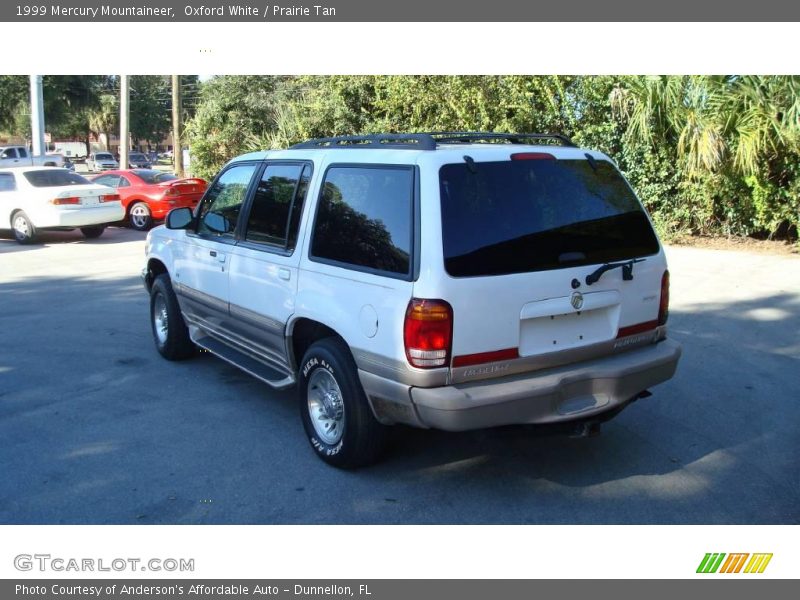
532	156
428	333
171	191
663	307
63	201
109	198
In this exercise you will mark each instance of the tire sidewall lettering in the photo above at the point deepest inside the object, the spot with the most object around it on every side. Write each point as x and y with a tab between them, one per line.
321	362
324	448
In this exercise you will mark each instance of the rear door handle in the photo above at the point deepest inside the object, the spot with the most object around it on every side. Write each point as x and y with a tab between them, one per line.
284	274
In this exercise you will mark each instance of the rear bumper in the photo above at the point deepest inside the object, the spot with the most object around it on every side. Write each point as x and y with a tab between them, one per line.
82	217
554	395
160	208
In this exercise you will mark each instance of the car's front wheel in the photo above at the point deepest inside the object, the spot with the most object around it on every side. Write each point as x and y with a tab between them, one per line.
170	333
140	217
333	406
24	231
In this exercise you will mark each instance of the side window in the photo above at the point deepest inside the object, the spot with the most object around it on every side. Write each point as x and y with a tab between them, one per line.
7	183
123	182
364	218
224	200
9	153
22	152
278	198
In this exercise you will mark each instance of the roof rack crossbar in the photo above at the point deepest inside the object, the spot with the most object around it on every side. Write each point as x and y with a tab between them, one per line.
428	140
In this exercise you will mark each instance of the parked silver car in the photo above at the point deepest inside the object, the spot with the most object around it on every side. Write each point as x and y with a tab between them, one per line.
101	161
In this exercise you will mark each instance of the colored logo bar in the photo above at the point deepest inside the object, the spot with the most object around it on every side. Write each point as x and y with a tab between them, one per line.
716	562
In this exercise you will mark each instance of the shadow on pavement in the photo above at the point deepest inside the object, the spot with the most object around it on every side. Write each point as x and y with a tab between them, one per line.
96	428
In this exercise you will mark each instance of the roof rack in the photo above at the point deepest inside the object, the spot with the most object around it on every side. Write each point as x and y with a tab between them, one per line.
470	137
430	140
409	141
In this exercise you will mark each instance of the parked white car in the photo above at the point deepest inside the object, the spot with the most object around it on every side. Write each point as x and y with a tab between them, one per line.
20	156
452	280
101	161
39	198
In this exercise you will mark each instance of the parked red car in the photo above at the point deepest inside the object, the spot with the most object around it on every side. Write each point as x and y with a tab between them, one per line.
148	195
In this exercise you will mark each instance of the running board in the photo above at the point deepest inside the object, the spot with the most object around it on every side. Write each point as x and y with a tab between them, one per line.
269	375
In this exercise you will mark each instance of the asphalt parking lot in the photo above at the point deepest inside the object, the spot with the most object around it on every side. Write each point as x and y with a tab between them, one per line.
96	428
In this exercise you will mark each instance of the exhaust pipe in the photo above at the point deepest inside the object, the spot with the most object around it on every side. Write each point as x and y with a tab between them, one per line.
586	429
591	427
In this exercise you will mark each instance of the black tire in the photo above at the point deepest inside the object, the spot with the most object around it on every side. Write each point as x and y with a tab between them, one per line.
94	232
173	342
362	439
139	216
21	225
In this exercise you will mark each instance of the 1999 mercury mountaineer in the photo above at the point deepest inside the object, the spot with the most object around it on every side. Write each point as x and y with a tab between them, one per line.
446	280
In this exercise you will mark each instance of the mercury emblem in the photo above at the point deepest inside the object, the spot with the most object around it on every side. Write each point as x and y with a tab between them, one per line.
576	300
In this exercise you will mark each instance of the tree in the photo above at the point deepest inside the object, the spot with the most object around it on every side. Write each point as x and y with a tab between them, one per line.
705	153
14	90
234	114
105	118
714	121
67	100
150	107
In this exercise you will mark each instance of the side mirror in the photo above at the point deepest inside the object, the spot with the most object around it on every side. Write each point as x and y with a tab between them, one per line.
179	218
216	223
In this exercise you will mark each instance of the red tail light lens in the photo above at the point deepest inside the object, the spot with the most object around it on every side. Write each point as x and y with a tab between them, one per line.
109	198
428	333
663	307
172	192
63	201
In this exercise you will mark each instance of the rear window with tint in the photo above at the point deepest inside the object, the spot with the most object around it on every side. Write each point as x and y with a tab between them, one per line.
153	176
535	215
54	178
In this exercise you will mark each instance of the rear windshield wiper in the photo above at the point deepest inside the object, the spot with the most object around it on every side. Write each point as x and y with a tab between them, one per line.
626	266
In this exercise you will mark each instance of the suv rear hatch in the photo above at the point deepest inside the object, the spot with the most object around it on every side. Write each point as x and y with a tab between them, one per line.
520	237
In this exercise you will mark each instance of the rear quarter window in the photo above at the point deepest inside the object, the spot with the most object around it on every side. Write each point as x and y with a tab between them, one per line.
364	218
519	216
7	182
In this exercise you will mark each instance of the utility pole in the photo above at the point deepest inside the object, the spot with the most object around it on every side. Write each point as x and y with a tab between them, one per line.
124	120
37	115
177	110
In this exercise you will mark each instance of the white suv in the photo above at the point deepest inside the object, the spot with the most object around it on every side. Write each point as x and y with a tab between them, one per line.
447	280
